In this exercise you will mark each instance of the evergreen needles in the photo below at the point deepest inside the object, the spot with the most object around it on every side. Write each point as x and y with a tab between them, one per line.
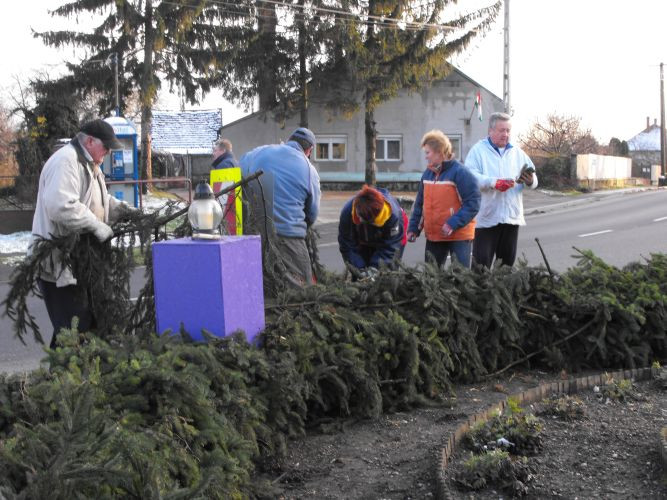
125	413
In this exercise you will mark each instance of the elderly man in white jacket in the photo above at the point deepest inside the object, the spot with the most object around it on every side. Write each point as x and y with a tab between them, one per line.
73	198
502	171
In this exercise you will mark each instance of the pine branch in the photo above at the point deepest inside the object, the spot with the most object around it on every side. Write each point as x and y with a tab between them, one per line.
554	344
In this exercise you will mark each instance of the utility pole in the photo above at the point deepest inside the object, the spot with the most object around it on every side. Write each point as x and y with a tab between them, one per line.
115	74
663	169
506	64
303	73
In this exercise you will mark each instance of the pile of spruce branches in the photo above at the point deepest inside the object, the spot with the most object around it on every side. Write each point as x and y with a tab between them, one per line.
124	412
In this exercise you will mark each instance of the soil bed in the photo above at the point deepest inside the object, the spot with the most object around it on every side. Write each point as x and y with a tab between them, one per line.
395	457
612	452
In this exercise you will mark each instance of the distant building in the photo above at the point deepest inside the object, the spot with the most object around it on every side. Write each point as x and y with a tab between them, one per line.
644	149
182	141
448	105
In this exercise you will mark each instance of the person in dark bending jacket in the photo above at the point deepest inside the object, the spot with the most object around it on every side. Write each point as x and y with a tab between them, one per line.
372	229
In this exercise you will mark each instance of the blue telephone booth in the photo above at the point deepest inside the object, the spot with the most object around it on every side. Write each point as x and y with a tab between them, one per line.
123	164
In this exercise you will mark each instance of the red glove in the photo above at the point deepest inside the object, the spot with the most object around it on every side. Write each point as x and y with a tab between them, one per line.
504	184
447	229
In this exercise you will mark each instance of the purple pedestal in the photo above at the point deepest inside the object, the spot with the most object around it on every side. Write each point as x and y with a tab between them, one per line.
216	285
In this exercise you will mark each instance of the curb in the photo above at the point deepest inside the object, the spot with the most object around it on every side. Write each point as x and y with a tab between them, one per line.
590	198
570	386
555	206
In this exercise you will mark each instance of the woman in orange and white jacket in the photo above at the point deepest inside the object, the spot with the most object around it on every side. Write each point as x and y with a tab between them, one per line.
447	201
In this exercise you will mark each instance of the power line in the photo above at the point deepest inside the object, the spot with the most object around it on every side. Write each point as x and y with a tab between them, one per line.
377	21
382	19
346	18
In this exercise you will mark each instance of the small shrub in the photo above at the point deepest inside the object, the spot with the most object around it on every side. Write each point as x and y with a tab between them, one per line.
555	173
563	407
497	469
660	376
519	433
514	407
622	390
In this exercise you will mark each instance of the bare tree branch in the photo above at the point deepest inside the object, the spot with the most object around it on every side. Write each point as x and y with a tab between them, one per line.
559	135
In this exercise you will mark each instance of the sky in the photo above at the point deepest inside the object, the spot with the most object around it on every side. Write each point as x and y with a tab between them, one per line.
594	59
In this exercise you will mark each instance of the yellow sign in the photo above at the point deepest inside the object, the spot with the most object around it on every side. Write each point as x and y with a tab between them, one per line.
232	206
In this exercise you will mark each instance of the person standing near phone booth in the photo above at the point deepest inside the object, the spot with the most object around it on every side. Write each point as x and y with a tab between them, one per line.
502	171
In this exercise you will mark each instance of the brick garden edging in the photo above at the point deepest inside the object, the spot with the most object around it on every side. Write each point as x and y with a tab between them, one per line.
570	386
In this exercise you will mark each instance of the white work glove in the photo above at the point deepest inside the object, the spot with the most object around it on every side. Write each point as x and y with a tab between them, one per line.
103	232
368	274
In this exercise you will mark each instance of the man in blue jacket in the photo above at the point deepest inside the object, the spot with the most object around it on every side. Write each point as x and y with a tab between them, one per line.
291	190
499	168
223	157
371	229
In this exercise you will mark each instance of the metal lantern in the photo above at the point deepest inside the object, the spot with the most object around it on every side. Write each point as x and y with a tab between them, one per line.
205	213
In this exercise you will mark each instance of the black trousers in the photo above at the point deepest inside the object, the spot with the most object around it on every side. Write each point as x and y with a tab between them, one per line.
63	304
497	241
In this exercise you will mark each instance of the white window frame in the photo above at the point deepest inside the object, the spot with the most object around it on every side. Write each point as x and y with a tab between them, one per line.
458	151
385	138
330	140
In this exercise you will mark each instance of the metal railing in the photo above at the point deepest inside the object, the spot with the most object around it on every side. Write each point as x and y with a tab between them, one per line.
187	182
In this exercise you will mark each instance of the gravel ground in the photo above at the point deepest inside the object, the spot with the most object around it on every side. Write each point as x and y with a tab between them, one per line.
395	457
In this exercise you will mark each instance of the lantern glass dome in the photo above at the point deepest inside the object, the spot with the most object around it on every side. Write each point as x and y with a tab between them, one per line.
205	213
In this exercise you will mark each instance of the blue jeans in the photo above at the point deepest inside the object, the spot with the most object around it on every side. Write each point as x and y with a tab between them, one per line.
439	250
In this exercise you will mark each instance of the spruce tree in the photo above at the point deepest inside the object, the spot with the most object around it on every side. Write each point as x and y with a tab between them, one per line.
181	42
272	52
384	46
49	110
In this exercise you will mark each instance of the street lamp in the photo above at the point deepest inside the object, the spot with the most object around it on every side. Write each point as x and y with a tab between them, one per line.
205	214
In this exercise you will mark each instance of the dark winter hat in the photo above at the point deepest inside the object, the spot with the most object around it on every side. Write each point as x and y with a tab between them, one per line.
104	132
305	134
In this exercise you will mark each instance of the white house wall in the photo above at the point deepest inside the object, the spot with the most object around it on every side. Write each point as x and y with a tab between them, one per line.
448	105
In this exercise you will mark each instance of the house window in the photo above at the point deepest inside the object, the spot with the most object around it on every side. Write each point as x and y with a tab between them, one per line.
455	139
388	148
331	148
